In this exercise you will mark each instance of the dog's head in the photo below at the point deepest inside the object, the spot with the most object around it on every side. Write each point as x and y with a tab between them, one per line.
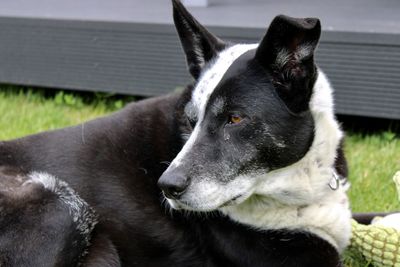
249	111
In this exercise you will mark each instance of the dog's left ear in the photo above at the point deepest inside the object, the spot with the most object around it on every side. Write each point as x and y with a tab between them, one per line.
287	53
199	45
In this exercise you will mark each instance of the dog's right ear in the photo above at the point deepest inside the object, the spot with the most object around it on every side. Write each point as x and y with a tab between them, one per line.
199	45
287	52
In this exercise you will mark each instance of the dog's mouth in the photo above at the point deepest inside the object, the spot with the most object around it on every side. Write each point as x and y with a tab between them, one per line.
231	202
185	205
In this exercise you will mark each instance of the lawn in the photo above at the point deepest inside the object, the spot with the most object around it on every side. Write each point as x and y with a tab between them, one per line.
373	159
24	112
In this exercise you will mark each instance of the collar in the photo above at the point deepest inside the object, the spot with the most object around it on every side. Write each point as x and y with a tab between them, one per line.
336	181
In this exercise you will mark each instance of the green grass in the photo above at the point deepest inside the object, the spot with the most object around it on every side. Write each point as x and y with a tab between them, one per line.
373	159
26	111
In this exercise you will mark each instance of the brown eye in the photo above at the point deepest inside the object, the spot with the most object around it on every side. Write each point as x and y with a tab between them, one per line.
233	119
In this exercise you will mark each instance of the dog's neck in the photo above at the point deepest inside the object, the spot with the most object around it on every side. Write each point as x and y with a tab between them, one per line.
299	197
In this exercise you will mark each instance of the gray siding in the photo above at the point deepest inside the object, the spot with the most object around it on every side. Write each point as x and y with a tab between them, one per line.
142	58
118	57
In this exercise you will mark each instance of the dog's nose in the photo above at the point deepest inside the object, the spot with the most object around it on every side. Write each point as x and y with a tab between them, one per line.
173	184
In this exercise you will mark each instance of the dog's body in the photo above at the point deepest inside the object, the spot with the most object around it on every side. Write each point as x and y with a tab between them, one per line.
255	153
113	163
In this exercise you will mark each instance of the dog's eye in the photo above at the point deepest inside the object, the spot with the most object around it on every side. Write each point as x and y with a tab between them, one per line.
234	119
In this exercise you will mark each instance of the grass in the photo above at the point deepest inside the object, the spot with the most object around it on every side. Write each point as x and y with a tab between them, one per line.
373	159
25	111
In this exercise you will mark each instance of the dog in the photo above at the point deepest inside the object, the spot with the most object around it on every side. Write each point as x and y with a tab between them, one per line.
243	168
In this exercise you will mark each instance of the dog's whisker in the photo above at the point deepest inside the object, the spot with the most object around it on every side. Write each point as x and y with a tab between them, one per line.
167	207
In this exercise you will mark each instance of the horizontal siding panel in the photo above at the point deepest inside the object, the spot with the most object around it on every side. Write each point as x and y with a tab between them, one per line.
147	60
120	60
366	77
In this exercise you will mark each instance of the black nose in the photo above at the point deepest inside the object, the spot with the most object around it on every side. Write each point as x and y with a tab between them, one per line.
173	184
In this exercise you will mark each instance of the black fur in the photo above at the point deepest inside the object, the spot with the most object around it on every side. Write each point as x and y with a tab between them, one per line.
37	228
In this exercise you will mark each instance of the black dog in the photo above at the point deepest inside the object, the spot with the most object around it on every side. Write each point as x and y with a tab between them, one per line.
257	160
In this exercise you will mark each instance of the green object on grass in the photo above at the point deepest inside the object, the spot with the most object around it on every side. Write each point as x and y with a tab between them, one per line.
379	242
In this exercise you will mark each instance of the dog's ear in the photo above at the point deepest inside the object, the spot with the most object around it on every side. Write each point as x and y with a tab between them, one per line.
287	52
199	45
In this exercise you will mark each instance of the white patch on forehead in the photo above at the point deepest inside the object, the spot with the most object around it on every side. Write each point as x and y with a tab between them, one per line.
210	79
204	88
